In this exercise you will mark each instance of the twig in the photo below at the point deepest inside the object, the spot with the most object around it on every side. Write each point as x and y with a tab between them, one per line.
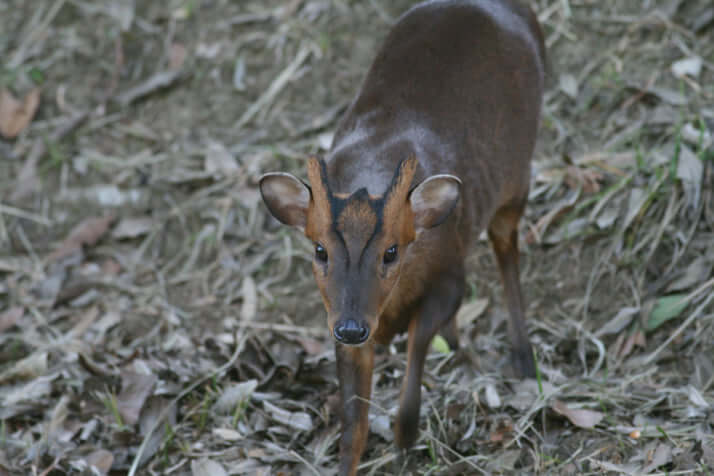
305	462
275	87
310	331
155	83
33	36
19	213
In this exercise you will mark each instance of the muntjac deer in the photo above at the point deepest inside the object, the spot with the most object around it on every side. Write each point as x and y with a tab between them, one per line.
435	148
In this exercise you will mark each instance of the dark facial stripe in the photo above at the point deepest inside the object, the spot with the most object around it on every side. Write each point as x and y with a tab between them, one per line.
338	205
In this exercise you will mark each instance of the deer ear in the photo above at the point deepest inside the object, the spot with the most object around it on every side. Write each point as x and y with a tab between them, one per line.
286	197
434	199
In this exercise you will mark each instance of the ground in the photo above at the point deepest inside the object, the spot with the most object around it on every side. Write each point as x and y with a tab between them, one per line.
155	320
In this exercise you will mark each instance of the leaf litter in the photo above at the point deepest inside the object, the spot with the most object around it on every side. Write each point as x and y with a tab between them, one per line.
155	319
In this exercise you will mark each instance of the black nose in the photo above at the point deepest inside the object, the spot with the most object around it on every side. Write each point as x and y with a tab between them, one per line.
350	332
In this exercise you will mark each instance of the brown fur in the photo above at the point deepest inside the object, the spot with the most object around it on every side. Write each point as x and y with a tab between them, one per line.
456	89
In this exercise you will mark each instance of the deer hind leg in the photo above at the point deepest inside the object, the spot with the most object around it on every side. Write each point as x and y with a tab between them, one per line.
503	233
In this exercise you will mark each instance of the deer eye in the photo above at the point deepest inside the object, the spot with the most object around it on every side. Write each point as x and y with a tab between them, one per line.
390	255
320	253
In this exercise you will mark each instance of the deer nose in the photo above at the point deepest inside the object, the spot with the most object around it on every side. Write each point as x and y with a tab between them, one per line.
350	332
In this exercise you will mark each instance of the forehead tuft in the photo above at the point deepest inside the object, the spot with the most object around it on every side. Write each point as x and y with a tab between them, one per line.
359	215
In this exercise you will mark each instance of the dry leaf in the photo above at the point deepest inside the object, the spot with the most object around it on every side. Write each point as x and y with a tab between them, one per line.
382	426
87	233
696	397
32	366
219	161
661	456
250	299
311	346
15	115
569	85
502	431
207	467
34	390
177	56
492	398
227	434
136	388
101	460
470	311
690	170
687	67
297	420
233	396
132	227
588	179
10	317
621	320
578	417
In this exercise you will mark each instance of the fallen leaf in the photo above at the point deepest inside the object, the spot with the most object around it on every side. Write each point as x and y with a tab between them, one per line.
136	388
579	417
470	311
440	345
207	467
382	426
526	392
34	390
635	338
687	67
227	434
536	232
690	170
32	366
621	320
101	460
311	346
587	178
16	115
700	138
9	317
177	56
132	227
696	397
569	85
86	233
669	95
123	12
492	398
666	308
504	462
297	420
250	299
661	456
219	161
233	396
696	272
501	432
239	74
208	51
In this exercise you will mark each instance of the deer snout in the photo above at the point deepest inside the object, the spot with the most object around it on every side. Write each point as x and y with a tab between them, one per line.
351	332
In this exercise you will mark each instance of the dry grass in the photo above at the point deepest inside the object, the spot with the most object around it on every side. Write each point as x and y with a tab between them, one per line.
155	320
